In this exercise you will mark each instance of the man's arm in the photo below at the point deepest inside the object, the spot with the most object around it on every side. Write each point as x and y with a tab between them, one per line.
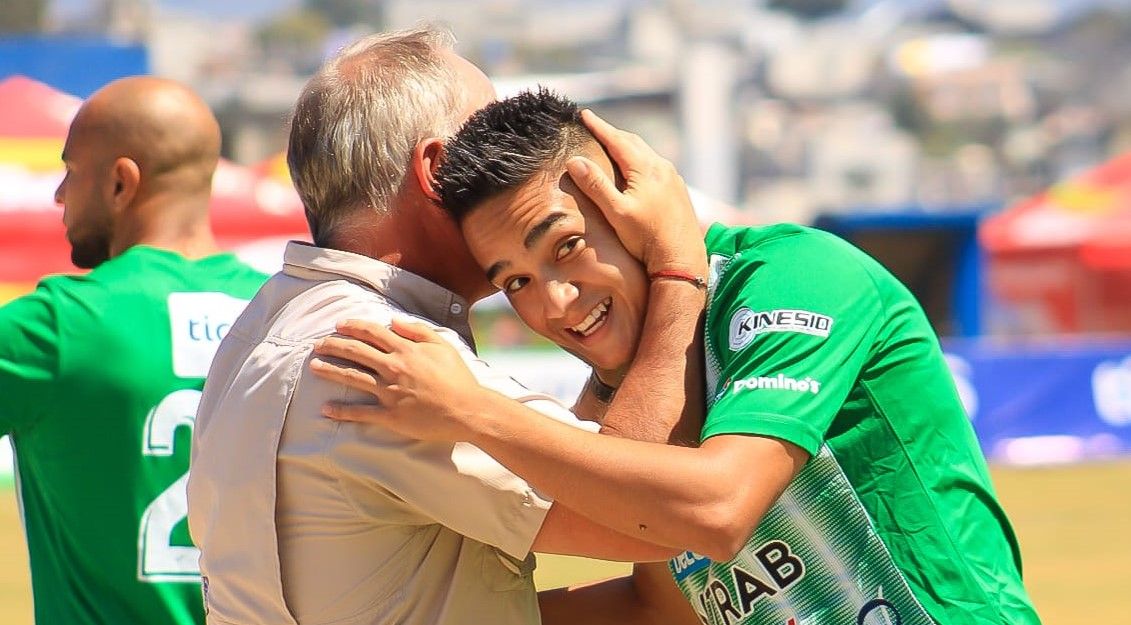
663	401
659	400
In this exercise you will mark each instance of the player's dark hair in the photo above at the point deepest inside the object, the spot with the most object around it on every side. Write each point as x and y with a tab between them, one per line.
505	144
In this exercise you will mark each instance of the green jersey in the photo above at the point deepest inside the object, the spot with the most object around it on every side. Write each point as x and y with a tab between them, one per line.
894	519
100	376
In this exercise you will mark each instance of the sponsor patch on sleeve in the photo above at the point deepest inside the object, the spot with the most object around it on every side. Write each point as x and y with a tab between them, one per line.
746	324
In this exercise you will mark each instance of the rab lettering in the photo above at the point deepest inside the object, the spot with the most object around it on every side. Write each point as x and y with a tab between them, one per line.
730	603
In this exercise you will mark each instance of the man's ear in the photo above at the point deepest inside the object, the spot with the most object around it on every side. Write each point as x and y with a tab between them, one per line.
426	158
126	178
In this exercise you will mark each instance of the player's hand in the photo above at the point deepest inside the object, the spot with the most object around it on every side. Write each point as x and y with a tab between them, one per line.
424	387
653	215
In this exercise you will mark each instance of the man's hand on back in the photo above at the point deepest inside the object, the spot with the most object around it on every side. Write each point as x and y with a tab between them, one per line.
425	388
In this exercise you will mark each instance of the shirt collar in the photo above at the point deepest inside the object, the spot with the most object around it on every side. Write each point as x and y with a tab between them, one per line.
415	294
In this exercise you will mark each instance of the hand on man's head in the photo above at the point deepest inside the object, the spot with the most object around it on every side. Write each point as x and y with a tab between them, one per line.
653	215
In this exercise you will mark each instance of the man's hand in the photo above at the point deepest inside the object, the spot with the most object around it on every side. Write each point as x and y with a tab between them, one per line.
653	216
424	388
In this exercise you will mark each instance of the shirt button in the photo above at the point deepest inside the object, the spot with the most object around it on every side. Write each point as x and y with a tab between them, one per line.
456	308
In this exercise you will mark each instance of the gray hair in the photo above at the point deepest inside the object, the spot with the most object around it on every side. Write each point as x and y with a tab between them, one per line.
358	119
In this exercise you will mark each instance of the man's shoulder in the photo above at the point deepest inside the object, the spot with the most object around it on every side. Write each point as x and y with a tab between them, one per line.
65	293
301	310
125	283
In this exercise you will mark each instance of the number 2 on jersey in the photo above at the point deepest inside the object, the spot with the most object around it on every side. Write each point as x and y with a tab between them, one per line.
158	560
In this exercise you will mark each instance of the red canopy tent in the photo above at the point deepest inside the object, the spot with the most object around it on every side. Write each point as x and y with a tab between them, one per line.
249	211
1063	257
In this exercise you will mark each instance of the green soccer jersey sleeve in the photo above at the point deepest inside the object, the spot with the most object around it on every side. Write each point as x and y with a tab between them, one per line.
790	322
29	359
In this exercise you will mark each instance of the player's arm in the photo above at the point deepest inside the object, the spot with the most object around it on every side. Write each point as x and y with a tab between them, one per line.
568	533
706	500
464	489
29	359
647	597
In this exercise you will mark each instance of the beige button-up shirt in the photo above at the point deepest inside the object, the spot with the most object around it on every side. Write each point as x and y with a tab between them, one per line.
301	519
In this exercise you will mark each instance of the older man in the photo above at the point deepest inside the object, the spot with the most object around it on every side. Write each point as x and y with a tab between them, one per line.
304	520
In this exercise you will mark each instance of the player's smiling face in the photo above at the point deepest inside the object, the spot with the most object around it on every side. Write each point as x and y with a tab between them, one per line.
561	265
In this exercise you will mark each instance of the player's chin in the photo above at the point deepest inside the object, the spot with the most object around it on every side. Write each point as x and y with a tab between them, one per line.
611	354
88	253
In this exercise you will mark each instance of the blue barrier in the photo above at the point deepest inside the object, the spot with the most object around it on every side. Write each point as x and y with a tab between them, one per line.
75	65
1029	403
1053	402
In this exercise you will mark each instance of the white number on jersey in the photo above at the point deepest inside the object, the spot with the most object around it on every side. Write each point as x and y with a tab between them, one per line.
158	560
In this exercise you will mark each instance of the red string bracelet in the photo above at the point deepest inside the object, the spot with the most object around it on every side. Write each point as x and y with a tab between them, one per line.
673	274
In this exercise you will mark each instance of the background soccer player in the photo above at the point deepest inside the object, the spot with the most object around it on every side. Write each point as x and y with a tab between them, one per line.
100	374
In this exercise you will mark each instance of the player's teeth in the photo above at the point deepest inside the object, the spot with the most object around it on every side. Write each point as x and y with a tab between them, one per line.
586	327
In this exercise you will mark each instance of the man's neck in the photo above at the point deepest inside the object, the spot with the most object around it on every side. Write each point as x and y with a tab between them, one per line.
402	239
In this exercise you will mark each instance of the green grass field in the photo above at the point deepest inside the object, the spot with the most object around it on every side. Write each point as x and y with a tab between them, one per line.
1072	521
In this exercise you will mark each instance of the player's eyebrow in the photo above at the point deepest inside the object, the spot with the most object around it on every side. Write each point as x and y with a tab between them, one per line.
541	228
532	237
494	270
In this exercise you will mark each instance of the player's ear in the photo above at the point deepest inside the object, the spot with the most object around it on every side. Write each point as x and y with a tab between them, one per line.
426	158
125	176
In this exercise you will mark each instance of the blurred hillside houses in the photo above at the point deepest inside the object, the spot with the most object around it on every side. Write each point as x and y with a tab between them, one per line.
787	108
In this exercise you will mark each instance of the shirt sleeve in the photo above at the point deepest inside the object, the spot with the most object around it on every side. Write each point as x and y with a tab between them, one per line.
29	359
794	326
458	486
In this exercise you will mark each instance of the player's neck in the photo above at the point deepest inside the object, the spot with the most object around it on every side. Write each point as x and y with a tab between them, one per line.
181	227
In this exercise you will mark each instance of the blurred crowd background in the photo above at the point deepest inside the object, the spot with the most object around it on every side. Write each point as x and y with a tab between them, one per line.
979	149
787	108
